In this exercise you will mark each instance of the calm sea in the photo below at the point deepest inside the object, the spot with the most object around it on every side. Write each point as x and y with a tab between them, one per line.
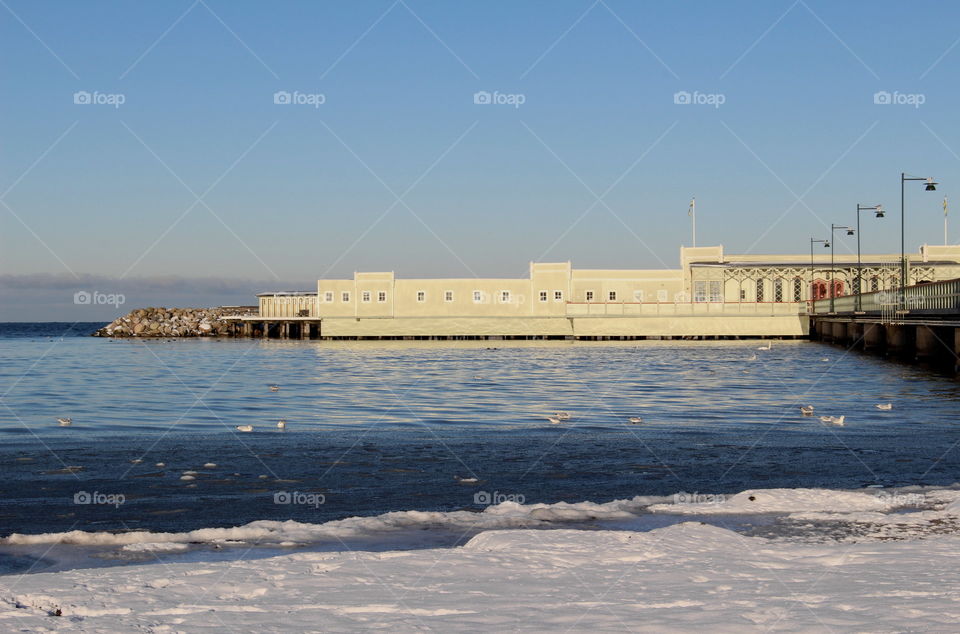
378	427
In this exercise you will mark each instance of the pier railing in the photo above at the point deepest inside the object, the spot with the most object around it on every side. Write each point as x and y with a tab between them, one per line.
933	298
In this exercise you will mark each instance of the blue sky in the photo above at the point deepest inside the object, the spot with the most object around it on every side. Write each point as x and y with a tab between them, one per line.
97	197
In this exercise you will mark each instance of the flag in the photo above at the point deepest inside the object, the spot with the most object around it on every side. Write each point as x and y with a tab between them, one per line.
944	206
692	207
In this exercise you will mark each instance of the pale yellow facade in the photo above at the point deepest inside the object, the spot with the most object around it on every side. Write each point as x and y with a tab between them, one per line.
711	294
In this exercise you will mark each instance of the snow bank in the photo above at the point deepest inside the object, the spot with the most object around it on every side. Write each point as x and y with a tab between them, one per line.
684	577
782	501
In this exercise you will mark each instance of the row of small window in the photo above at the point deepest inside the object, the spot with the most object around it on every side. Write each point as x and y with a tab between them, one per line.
478	296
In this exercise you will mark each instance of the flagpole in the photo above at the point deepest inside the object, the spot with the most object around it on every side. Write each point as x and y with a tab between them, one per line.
945	241
693	219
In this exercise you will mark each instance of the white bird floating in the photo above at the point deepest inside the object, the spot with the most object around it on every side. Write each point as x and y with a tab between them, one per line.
563	415
836	420
752	357
64	422
554	420
274	388
244	427
806	410
282	423
465	480
766	347
635	419
825	359
884	406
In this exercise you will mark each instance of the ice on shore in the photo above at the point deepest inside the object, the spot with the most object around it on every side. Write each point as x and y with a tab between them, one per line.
679	578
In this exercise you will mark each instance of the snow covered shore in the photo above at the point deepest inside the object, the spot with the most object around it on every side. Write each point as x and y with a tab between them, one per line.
684	576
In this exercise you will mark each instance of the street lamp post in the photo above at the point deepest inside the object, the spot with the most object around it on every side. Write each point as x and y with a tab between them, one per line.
931	187
850	231
879	211
826	244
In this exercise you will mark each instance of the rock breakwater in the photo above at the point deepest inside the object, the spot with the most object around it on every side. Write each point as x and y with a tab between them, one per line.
174	322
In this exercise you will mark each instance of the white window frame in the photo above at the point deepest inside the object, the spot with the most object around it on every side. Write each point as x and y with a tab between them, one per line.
477	297
662	295
381	297
421	296
715	291
504	297
345	297
588	296
699	291
328	297
365	297
447	296
558	296
544	295
638	296
611	296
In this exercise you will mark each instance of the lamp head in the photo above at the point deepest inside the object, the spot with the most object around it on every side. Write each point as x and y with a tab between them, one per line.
931	185
879	211
826	244
850	232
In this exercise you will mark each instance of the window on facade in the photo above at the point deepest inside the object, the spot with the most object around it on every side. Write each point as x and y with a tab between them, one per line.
856	285
589	296
797	289
699	291
743	295
505	297
381	296
716	291
778	290
477	297
894	282
543	296
638	296
421	296
612	296
448	296
759	290
328	296
558	296
345	297
365	296
662	295
874	283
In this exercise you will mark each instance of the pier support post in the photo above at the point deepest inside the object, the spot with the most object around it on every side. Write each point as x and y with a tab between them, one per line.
927	342
899	339
873	337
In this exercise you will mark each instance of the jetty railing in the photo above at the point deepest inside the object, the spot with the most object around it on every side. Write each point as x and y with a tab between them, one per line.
923	299
683	309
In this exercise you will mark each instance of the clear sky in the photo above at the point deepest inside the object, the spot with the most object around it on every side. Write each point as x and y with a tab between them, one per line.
199	189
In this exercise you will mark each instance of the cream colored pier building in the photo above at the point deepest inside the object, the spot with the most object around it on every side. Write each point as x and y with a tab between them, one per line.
711	294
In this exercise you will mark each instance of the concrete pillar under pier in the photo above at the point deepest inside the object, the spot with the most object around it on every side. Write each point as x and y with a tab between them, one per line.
927	343
854	334
873	337
304	329
899	339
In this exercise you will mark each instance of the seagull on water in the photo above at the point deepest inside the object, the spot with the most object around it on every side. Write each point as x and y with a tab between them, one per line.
465	480
836	420
806	410
752	357
274	388
282	423
563	415
766	347
554	420
244	427
64	422
635	419
884	406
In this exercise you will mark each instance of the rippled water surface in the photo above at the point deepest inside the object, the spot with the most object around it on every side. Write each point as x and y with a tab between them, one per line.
376	427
